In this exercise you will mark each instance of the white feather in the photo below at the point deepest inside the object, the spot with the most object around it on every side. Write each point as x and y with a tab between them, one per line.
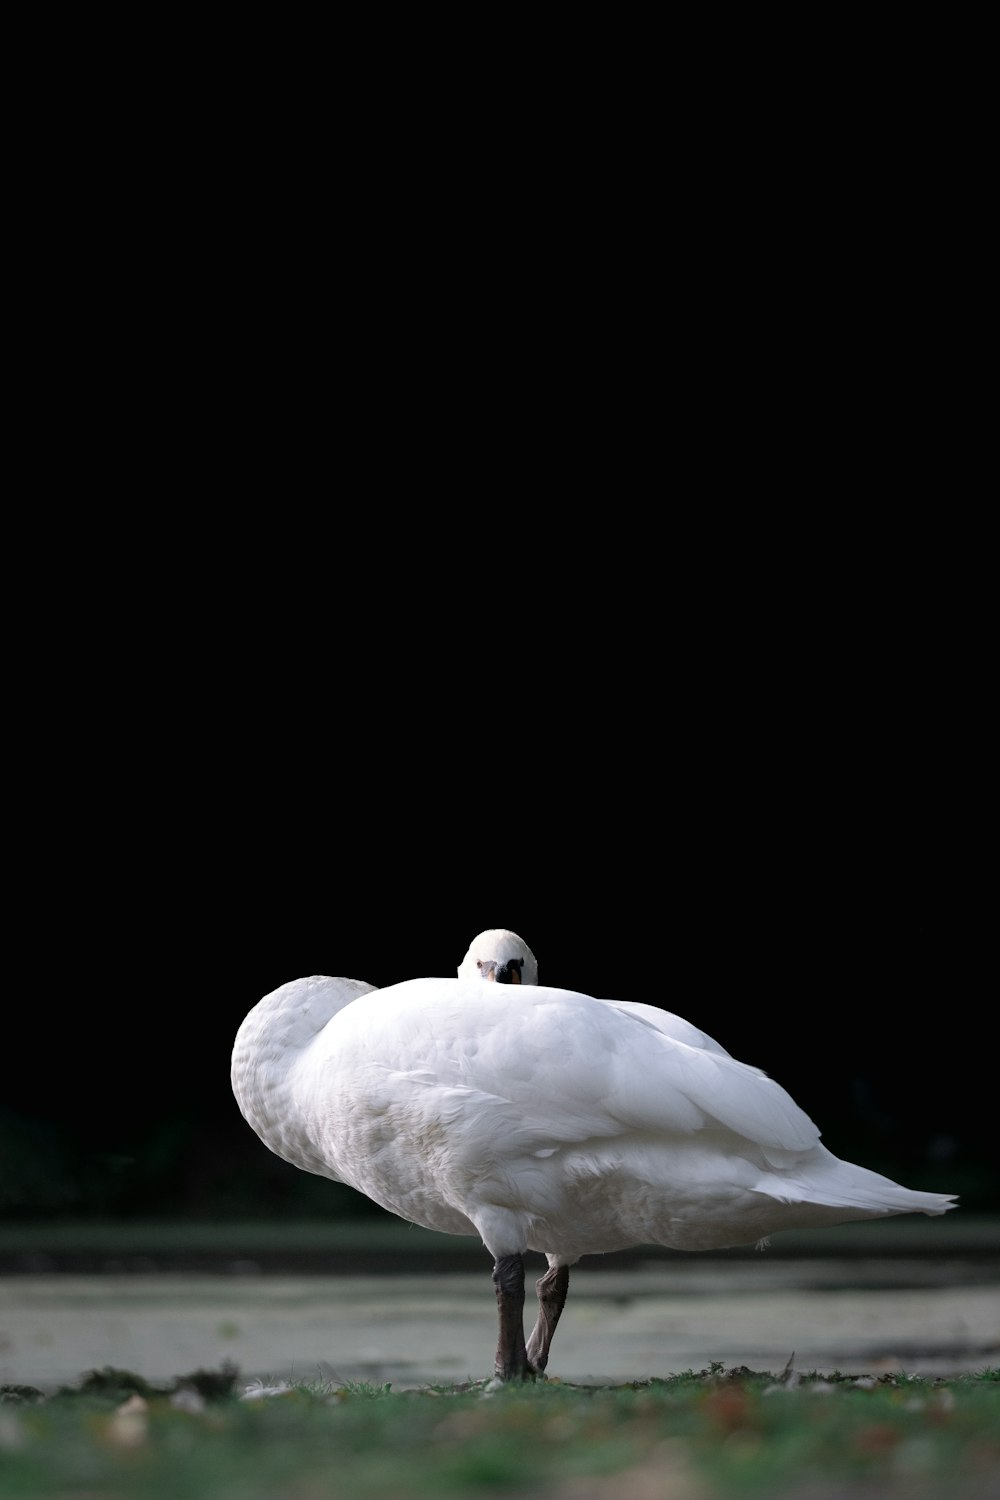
539	1118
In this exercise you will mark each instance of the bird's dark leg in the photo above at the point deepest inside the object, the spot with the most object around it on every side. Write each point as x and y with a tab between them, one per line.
551	1289
512	1360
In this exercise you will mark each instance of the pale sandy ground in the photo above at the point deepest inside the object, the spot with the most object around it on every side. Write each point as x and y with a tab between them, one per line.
928	1316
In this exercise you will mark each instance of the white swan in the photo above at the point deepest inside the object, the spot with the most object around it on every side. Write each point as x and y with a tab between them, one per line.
538	1118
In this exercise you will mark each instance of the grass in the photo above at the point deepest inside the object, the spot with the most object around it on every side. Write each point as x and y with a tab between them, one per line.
712	1433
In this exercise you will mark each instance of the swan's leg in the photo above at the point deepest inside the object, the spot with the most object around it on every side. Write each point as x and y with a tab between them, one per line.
512	1359
551	1289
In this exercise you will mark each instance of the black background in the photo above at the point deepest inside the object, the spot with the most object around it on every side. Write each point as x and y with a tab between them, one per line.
757	795
653	617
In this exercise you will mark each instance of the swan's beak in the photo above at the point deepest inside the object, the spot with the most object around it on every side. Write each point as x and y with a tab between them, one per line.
502	973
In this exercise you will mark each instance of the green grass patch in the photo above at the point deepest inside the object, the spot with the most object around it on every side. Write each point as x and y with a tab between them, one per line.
708	1433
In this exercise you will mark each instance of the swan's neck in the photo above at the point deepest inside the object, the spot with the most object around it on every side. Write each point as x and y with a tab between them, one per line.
269	1044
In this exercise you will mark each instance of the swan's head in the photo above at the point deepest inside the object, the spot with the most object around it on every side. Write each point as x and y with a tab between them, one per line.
500	955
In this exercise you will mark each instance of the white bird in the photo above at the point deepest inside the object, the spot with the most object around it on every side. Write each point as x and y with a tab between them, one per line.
538	1119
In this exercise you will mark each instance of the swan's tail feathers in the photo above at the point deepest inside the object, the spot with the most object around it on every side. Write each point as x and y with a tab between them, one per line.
867	1193
924	1203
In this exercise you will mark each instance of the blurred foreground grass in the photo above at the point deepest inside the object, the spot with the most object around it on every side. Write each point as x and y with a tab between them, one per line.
697	1435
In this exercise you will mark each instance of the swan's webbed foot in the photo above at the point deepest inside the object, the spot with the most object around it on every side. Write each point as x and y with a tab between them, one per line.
512	1362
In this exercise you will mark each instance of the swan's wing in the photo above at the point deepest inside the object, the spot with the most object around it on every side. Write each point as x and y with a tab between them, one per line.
723	1091
559	1066
670	1025
667	1075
